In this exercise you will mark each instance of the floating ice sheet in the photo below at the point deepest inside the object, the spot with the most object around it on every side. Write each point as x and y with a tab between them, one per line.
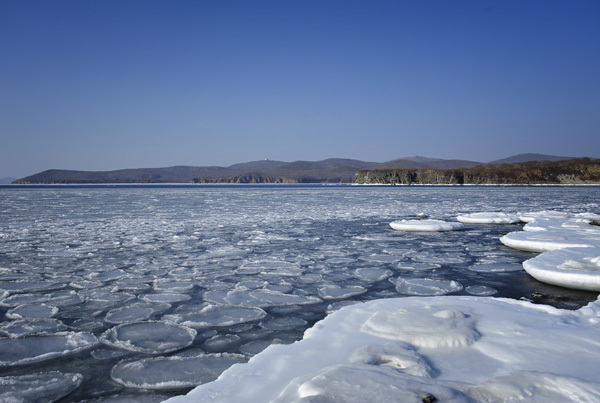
173	372
426	225
426	286
26	350
489	218
215	315
572	267
149	337
42	387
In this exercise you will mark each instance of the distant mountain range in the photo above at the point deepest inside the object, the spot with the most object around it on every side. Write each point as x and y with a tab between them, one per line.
333	170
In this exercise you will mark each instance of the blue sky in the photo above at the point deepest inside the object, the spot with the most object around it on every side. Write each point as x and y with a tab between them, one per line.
100	85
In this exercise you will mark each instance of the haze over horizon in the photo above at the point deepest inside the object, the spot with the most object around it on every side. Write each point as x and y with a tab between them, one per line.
112	85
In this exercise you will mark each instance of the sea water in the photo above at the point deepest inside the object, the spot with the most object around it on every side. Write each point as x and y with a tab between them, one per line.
146	291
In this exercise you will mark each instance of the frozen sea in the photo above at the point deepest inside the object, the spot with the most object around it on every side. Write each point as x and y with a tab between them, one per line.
143	292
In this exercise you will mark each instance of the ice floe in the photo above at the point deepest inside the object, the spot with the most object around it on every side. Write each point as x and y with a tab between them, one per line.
488	218
570	246
426	225
211	315
412	349
26	350
150	337
571	267
426	286
42	387
173	372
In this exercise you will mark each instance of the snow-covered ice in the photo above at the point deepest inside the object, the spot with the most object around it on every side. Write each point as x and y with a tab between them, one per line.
426	225
488	218
448	348
570	246
570	267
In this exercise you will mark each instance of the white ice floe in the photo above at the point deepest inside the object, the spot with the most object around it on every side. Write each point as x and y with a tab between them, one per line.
42	387
551	233
570	246
173	372
572	267
149	337
454	349
488	218
426	225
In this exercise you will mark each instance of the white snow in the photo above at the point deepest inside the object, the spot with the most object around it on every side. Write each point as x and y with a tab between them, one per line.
426	225
488	218
450	348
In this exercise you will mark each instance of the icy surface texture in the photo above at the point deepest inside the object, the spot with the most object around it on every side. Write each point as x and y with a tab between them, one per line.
164	275
456	349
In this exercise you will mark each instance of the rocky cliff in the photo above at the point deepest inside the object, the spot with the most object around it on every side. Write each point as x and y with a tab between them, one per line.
574	171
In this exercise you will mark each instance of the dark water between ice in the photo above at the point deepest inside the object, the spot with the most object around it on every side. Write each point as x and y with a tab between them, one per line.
145	280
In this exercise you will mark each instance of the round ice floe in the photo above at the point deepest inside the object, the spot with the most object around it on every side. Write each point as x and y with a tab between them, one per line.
551	233
40	348
29	286
42	387
427	286
23	299
333	291
496	267
488	218
134	313
168	298
426	225
149	337
270	268
543	241
220	342
173	286
414	266
284	323
22	328
481	290
424	327
372	274
173	372
259	298
32	311
215	315
573	268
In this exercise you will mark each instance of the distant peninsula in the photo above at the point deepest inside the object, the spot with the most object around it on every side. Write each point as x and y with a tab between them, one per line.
521	168
576	171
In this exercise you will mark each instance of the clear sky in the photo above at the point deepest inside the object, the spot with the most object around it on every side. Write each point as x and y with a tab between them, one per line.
110	84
